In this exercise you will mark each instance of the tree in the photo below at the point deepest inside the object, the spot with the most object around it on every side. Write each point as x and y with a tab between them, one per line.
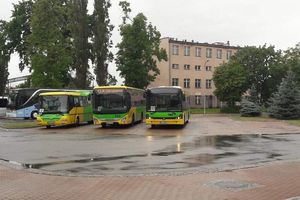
262	67
4	57
80	34
50	44
18	31
285	103
292	61
101	33
139	52
231	82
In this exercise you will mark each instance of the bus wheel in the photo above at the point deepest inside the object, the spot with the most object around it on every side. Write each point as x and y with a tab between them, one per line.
142	117
132	121
48	126
34	114
77	121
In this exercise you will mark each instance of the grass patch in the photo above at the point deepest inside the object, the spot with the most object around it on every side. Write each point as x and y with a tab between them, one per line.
18	124
207	110
294	122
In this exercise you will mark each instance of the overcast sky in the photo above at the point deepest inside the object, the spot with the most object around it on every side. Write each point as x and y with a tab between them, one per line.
253	22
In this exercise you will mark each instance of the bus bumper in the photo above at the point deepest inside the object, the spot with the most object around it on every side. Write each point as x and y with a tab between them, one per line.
58	122
165	122
123	121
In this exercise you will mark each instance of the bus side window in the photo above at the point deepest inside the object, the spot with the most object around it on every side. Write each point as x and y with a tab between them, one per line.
76	102
71	102
89	99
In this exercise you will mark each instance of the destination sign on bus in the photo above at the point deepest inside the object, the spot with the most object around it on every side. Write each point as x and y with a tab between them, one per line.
108	90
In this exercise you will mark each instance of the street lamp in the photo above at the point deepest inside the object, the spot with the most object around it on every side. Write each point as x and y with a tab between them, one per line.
204	102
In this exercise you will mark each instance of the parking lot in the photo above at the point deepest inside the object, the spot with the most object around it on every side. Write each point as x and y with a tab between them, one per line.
206	144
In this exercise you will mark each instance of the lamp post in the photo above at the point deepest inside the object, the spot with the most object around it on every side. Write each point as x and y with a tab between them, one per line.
204	102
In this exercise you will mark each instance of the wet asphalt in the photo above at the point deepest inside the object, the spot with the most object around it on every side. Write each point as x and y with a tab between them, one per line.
139	150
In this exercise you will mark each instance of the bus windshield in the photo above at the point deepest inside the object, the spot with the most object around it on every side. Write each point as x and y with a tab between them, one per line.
54	104
111	103
164	102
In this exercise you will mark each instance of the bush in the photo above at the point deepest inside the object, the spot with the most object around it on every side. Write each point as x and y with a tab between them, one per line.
249	109
235	109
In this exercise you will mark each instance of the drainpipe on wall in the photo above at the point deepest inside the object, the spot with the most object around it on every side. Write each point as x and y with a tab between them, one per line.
169	59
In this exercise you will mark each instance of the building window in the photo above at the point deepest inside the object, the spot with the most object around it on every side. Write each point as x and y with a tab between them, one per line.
187	67
198	100
219	53
186	83
175	50
175	66
229	54
197	83
208	68
198	52
197	67
175	82
187	51
208	53
208	83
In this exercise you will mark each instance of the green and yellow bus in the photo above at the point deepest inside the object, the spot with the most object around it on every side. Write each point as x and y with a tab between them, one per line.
167	105
118	105
64	108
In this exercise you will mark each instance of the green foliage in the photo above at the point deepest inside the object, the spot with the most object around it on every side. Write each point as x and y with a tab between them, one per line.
138	52
249	109
50	44
285	104
101	30
4	57
292	61
262	69
19	29
232	109
80	32
231	82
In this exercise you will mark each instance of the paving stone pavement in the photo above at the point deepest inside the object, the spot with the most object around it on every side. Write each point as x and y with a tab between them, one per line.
273	181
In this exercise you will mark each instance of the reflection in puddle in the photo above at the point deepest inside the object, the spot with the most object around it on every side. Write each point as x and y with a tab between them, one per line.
177	153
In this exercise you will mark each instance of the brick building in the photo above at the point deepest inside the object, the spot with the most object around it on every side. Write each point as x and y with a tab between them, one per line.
191	66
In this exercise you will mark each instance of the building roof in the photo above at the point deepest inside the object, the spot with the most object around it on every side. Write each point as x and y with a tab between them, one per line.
193	43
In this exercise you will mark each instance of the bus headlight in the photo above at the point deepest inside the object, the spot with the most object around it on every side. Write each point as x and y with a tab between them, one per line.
180	116
147	116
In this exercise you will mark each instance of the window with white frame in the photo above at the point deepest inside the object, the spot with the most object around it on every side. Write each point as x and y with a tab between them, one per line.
197	67
187	67
208	53
175	49
186	83
198	52
175	66
175	81
187	51
219	53
229	54
208	68
197	83
197	99
208	83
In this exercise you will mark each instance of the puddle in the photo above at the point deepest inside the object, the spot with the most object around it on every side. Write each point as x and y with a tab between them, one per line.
129	153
